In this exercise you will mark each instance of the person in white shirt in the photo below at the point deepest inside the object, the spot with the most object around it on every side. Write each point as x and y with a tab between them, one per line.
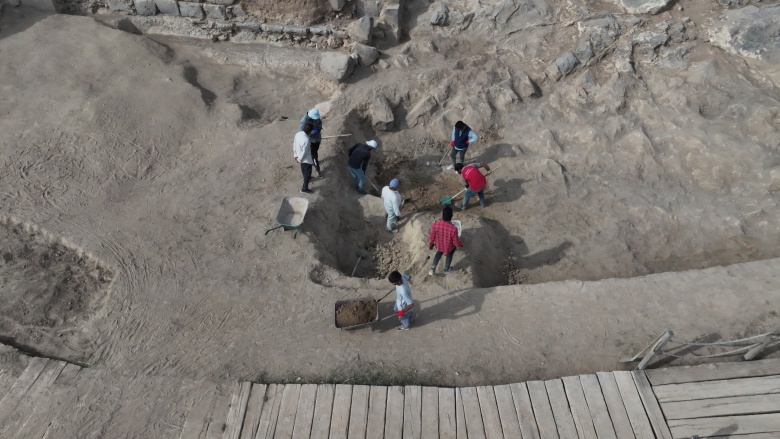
403	299
302	154
392	200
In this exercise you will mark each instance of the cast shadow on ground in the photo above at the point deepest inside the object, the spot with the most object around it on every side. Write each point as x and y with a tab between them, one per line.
506	191
664	361
18	19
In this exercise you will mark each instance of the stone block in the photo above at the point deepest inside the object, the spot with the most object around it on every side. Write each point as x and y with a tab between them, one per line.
221	2
643	6
392	16
337	65
238	11
192	10
167	7
440	15
360	30
300	31
145	7
248	25
381	114
272	28
120	5
367	55
216	12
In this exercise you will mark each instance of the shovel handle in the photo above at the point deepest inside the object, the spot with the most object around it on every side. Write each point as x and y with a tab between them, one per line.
388	293
333	137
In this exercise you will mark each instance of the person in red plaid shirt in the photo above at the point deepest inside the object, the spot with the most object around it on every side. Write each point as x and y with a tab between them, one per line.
445	236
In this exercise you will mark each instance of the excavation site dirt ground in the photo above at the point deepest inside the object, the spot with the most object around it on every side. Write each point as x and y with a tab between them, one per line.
637	193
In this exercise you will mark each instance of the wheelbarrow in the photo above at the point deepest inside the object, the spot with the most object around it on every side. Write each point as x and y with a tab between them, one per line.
364	305
290	215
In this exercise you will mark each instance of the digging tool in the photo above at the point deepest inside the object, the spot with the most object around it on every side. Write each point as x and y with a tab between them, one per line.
360	254
337	135
373	185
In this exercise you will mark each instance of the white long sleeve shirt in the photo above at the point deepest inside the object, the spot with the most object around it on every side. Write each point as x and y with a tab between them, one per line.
302	148
392	201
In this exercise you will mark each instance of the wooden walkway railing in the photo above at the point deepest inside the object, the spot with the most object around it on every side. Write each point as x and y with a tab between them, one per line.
52	399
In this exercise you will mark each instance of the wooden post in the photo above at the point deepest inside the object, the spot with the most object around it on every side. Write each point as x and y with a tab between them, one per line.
757	348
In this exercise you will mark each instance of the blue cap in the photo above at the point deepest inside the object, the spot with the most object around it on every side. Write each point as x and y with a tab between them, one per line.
314	113
394	183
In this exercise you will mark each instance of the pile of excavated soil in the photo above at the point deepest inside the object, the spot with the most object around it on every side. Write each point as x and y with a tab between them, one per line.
355	312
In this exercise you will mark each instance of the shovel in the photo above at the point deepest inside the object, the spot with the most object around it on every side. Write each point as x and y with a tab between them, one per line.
336	136
360	254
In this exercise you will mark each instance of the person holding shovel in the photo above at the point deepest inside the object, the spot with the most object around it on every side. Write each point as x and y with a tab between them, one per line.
359	155
475	182
403	299
302	155
444	235
392	201
462	137
312	117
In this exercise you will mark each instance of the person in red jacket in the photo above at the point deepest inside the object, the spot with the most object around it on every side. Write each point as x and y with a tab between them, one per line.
444	235
475	182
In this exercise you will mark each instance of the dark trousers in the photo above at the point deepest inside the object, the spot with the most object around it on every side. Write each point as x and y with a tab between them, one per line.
454	152
315	148
447	260
306	171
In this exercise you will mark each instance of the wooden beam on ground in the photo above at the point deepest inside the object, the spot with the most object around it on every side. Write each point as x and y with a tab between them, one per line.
218	416
342	402
615	406
253	410
472	413
358	414
597	406
738	425
447	424
394	419
652	408
543	414
564	420
713	372
270	414
412	412
730	406
718	389
323	411
490	418
510	424
430	412
304	414
525	411
20	387
579	408
238	406
377	406
640	423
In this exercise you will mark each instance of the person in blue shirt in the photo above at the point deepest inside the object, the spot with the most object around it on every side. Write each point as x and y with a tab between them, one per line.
403	299
462	137
359	155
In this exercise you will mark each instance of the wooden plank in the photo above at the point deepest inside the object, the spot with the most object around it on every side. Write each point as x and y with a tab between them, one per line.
713	372
287	410
68	375
238	406
358	415
26	406
412	412
507	412
323	410
579	408
489	409
447	426
253	410
196	425
460	417
710	408
342	402
617	411
394	418
542	410
20	387
6	381
640	423
597	407
706	427
525	411
270	413
304	414
652	408
717	389
430	412
377	406
564	420
218	415
472	413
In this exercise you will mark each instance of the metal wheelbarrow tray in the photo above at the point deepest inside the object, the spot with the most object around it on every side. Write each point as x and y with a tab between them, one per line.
291	214
366	300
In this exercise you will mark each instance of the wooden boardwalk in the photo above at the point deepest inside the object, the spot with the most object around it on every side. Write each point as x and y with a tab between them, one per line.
52	399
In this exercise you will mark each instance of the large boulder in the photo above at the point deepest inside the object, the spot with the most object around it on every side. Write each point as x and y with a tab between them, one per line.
643	6
367	55
360	30
750	31
145	7
214	11
337	65
381	114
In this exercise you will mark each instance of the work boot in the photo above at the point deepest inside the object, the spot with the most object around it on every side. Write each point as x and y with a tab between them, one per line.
430	272
447	270
307	191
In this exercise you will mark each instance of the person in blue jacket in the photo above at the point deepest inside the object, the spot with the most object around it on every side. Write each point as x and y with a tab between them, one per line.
462	137
312	117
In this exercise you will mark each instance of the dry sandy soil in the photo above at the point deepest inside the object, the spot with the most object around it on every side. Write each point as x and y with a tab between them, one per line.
164	165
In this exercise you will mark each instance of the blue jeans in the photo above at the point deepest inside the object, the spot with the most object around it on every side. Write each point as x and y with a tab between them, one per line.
469	193
406	320
358	176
